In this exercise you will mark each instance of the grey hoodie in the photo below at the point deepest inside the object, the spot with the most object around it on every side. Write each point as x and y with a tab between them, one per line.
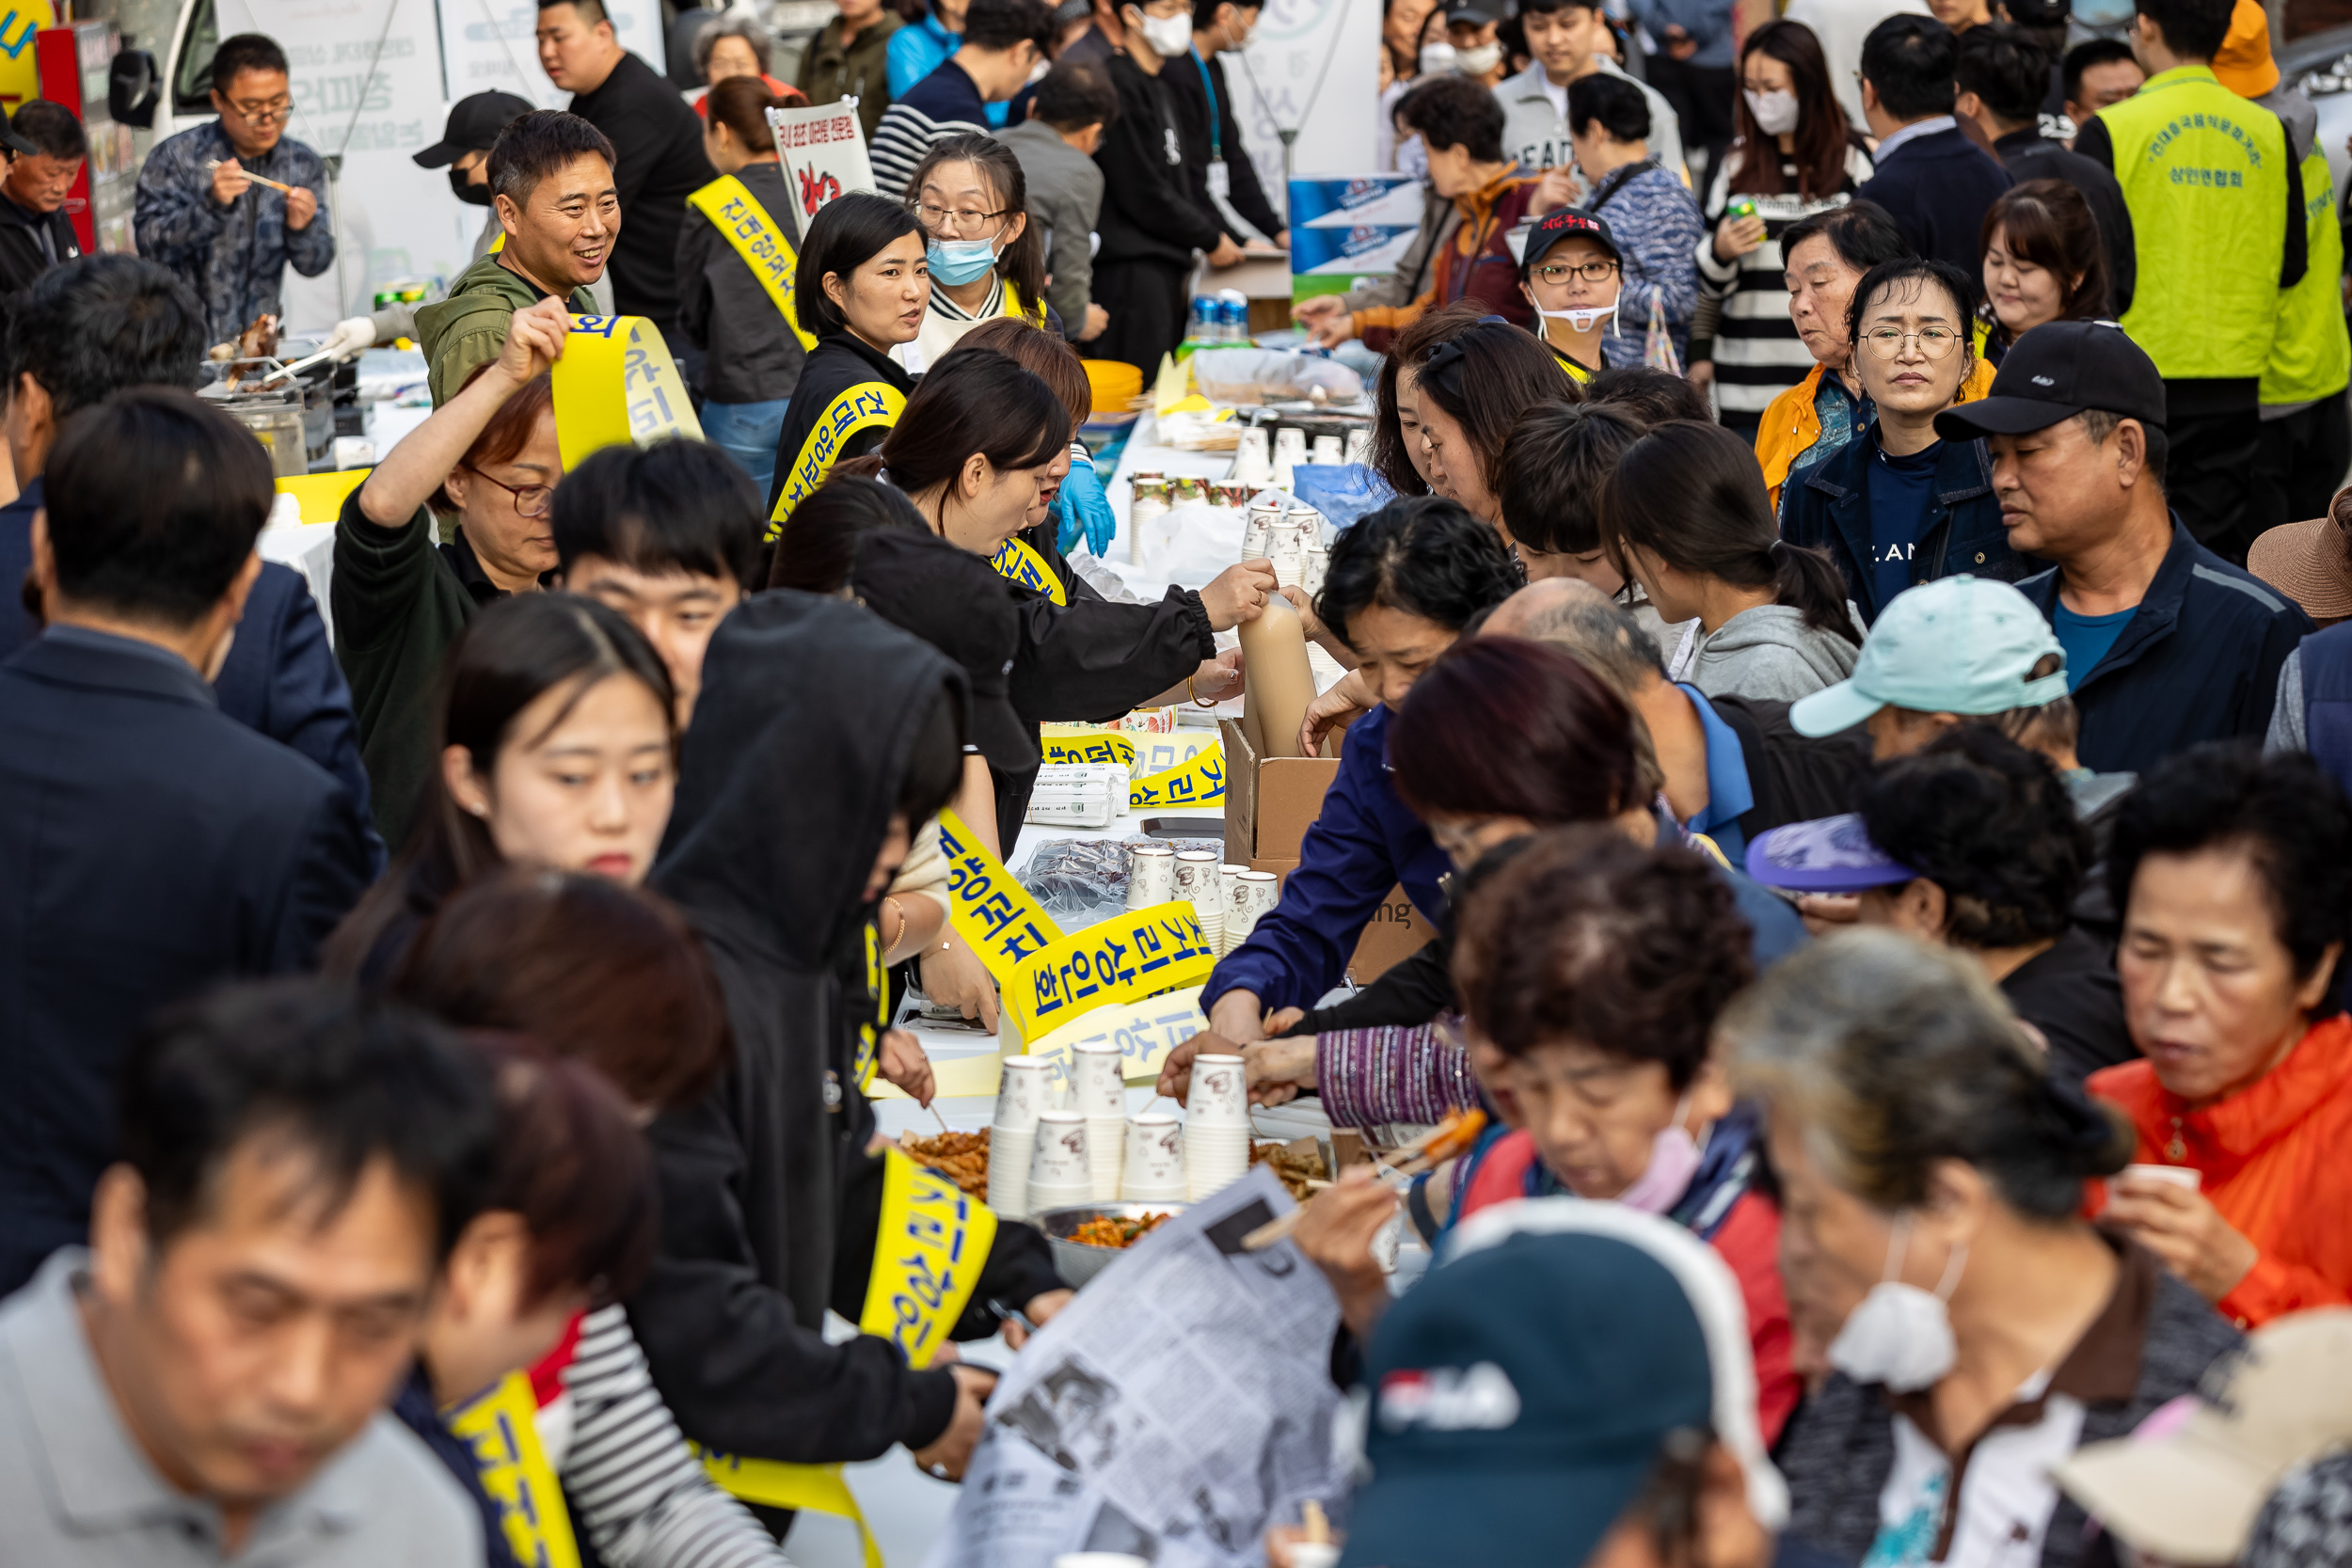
1768	653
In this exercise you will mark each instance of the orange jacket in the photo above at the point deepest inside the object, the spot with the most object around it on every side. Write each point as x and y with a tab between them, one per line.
2272	1160
1791	427
1478	264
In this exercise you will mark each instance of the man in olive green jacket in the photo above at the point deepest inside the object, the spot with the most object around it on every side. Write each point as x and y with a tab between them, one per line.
834	70
551	184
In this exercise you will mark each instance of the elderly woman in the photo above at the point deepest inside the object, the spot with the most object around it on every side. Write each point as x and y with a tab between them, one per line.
737	46
1931	1174
2234	874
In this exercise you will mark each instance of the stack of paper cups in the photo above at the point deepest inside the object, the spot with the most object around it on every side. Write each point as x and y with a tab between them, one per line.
1101	1097
1023	1093
1290	451
1251	464
1359	446
1154	1170
1327	450
1254	893
1228	878
1217	1125
1150	875
1197	880
1060	1174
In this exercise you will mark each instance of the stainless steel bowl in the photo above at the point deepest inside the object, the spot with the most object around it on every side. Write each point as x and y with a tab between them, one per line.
1077	1260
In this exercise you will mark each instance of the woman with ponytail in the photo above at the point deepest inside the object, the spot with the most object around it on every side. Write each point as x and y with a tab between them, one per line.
1685	516
1977	1329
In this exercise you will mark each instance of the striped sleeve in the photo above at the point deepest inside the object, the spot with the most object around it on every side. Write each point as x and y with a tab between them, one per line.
900	141
630	1478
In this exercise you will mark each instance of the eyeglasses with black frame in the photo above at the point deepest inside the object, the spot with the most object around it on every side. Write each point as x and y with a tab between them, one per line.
1559	273
530	501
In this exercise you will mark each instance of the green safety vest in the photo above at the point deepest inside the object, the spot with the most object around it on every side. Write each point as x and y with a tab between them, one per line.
2204	173
2311	354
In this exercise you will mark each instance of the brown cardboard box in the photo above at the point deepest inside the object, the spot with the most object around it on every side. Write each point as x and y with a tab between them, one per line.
1269	804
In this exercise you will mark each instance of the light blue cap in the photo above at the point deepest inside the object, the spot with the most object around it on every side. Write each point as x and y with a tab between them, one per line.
1961	644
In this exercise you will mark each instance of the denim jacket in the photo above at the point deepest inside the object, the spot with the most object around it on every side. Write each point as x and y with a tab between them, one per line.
1827	506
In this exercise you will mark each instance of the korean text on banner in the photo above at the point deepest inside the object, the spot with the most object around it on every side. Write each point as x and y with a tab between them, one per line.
823	149
1017	562
502	1427
1189	784
1133	955
996	916
616	383
1086	745
928	1252
1145	1032
740	219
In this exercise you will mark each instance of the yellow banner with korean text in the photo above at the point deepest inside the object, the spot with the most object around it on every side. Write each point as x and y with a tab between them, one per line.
502	1427
927	1253
1189	783
997	917
1134	955
1085	743
744	224
863	406
771	1483
1017	562
1144	1032
616	383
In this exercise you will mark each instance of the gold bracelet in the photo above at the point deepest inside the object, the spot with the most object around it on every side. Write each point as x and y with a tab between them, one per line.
1198	701
894	942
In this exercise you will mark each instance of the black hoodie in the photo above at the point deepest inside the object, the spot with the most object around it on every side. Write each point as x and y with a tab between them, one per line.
809	711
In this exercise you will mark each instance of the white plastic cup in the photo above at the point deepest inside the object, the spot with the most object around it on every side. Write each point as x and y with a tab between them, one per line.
1219	1097
1097	1089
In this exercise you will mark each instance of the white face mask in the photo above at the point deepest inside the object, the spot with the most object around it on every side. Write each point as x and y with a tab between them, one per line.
1775	112
1901	1336
1168	36
1478	62
1436	58
1584	320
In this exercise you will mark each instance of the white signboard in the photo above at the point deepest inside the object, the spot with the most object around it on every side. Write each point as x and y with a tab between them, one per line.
1313	66
823	149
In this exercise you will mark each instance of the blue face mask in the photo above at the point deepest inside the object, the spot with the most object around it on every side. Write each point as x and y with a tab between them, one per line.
959	261
2103	15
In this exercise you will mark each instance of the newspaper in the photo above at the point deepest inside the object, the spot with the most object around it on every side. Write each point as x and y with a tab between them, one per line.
1179	1406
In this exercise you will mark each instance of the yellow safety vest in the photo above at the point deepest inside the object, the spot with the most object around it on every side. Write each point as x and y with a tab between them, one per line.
2310	355
737	214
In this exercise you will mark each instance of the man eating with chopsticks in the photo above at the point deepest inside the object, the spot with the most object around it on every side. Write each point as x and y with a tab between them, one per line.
228	205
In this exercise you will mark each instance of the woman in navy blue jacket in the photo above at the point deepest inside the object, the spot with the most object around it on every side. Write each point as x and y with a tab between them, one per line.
1898	505
1401	586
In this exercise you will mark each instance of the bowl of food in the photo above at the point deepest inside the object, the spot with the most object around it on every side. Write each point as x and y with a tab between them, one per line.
1086	1237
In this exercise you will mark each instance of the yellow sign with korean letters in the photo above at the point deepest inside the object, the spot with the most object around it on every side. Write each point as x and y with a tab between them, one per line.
744	224
771	1483
1017	562
997	917
869	1033
1108	747
863	406
927	1254
1189	783
1134	955
1145	1032
502	1427
616	383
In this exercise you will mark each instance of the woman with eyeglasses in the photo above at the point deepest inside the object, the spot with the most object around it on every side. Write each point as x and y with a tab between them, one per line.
400	597
1898	506
986	261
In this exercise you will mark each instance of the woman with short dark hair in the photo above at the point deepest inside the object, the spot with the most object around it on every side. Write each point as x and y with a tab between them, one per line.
2234	874
2043	261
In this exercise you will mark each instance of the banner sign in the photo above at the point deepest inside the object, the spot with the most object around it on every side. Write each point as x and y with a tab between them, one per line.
616	384
1145	1032
1190	784
997	917
1108	747
740	219
1133	955
928	1252
823	149
1017	562
502	1427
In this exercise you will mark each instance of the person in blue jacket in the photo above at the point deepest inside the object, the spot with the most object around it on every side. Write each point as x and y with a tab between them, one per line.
916	51
1402	585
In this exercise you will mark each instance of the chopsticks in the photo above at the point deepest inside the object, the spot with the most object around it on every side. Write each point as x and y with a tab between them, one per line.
257	179
1426	1153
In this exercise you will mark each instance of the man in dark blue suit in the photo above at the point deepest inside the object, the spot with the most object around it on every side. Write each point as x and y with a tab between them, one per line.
150	846
89	329
1936	181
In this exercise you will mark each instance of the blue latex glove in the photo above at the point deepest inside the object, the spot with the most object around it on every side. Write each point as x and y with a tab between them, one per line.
1082	509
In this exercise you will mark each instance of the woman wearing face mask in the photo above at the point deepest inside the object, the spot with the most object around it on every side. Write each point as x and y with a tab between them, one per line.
985	261
1572	274
863	286
1412	48
799	799
555	748
400	596
1900	505
1684	515
1794	156
754	353
2043	261
1931	1178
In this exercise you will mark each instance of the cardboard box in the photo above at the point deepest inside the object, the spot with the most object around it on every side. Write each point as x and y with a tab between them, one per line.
1269	804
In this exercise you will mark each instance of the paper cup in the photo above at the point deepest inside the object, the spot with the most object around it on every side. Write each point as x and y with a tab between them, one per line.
2187	1176
1023	1093
1155	1153
1196	874
1219	1097
1008	1157
1253	459
1359	450
1150	875
1066	1196
1096	1087
1060	1156
1327	450
1107	1155
1290	442
1264	890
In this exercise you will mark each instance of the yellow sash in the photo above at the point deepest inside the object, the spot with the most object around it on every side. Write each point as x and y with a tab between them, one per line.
869	1033
1086	745
738	215
1023	565
1133	955
1186	784
616	383
863	406
991	911
928	1249
502	1428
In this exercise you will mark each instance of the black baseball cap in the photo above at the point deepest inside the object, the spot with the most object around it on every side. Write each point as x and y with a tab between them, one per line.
1566	223
956	602
2056	372
13	141
1473	15
474	124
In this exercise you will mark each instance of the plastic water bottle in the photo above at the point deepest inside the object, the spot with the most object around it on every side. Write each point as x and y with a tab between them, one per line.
1234	317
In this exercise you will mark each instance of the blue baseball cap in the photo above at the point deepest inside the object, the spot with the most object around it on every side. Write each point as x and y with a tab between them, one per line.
1829	854
1961	644
1498	1436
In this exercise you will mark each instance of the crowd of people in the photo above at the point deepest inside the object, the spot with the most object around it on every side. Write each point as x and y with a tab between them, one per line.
1839	661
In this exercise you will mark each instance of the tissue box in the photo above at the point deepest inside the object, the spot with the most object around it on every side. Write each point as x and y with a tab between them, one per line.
1078	794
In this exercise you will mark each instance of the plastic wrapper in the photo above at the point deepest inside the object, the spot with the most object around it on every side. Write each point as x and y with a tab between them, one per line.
1249	376
1343	492
1081	880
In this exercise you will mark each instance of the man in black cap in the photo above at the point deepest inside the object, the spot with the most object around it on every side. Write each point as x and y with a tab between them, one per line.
45	149
1472	26
2166	645
464	149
